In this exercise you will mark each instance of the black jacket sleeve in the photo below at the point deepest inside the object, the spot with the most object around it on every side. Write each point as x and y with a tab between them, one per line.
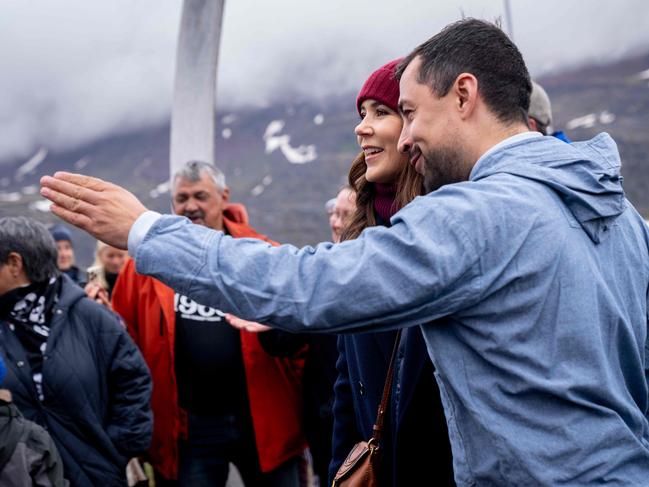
282	343
130	421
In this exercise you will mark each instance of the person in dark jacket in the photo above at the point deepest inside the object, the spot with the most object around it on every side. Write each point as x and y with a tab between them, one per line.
65	260
28	456
72	367
384	182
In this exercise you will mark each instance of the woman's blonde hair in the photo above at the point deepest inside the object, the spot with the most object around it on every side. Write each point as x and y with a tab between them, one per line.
96	271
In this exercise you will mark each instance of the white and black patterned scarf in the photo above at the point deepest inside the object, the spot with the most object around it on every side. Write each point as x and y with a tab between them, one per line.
28	310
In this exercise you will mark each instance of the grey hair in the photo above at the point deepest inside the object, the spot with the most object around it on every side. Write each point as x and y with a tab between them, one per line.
330	206
33	242
192	171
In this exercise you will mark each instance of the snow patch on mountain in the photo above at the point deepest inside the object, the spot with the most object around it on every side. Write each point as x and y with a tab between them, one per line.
40	205
31	164
160	189
10	197
588	121
276	140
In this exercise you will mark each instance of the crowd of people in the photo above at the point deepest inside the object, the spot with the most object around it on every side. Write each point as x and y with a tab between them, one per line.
487	269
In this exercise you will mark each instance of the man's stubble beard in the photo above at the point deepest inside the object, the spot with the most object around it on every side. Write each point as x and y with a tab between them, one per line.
444	165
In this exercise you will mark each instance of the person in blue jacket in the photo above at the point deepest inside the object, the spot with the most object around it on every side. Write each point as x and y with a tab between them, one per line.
71	366
525	262
383	183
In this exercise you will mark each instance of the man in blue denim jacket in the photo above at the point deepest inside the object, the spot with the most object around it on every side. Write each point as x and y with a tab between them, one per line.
525	252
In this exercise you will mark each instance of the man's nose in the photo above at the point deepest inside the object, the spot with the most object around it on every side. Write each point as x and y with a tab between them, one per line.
190	205
405	142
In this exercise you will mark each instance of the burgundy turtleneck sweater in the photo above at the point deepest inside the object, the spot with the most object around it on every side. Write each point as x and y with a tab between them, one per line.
384	201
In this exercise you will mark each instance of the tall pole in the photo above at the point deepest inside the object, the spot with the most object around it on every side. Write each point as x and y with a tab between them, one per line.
192	113
508	17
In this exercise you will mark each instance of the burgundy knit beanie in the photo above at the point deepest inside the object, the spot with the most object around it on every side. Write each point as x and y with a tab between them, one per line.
381	86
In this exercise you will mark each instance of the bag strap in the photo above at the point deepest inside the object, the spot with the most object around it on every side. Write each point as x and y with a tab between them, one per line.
387	390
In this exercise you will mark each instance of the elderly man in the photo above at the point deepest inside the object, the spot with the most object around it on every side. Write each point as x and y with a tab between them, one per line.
241	404
525	266
344	207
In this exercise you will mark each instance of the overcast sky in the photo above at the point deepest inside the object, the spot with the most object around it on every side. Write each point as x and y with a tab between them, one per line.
73	70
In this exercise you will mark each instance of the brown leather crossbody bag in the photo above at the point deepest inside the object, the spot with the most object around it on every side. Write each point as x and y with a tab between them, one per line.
360	468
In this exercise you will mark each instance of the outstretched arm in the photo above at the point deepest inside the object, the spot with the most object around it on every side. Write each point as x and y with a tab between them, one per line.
387	278
425	266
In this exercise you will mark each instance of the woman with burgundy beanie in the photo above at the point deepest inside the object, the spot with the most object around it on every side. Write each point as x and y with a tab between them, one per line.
414	443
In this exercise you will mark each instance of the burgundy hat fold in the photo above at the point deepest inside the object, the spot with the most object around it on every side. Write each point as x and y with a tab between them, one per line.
381	86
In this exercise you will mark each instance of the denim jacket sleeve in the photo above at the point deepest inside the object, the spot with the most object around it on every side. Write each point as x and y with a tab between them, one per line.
423	267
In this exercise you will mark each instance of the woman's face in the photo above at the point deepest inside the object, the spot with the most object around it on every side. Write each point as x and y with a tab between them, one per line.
65	258
112	259
378	134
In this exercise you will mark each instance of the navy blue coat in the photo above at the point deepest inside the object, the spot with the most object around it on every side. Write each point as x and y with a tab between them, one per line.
415	416
96	385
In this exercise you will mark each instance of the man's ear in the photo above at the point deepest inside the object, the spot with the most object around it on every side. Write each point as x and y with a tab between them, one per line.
465	90
225	194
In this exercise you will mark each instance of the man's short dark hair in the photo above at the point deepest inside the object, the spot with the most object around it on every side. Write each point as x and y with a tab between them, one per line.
484	50
33	242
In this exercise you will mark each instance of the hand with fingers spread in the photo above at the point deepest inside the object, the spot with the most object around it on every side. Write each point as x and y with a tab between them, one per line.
249	326
104	210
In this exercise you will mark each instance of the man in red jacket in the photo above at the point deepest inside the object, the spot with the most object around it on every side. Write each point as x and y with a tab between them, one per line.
218	397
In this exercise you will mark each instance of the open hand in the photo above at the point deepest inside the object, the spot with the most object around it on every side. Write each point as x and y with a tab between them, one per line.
104	210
